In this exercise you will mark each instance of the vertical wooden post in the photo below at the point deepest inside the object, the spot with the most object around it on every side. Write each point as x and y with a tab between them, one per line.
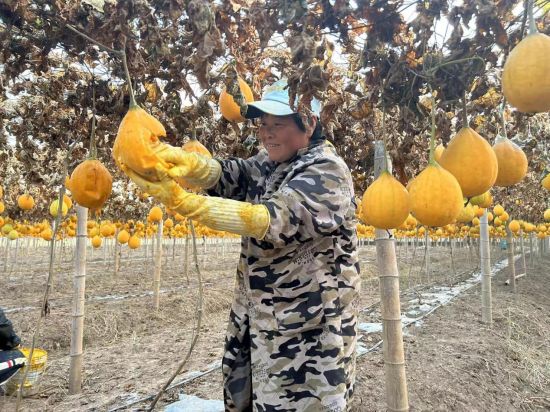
158	266
117	253
186	256
390	307
486	303
522	248
79	287
531	251
511	264
427	241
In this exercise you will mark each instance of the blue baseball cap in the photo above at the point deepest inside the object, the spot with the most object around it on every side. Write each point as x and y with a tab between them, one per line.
276	101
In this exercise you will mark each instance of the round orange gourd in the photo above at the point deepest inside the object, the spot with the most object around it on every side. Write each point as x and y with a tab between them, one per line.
230	110
435	196
498	210
546	182
96	241
91	184
512	162
472	161
514	226
25	202
385	204
134	242
155	214
504	216
525	79
123	237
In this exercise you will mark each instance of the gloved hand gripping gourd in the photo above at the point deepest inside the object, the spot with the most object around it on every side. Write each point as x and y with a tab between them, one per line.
153	165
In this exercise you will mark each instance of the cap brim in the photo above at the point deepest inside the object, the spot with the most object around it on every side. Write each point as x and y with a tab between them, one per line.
256	109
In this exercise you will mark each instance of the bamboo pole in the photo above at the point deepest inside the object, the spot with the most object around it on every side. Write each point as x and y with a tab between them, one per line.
6	254
531	251
116	248
390	307
511	265
79	287
427	241
186	257
158	266
522	248
486	303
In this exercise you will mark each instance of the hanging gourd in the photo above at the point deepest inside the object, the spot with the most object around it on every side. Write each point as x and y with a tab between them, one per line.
137	139
438	152
471	160
155	214
25	202
525	79
123	237
435	195
385	204
466	214
193	146
230	109
514	226
90	183
546	182
512	162
96	241
547	215
134	242
54	208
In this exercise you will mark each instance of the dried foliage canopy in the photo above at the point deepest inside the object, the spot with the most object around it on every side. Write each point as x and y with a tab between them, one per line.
358	58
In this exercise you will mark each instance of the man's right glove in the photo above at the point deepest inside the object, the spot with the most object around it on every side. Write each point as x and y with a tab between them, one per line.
228	215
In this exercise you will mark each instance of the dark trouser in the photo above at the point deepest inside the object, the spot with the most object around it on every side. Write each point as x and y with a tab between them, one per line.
10	363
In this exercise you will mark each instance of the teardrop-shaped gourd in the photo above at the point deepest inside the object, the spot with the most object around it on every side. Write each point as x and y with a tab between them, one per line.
525	79
155	214
466	214
472	161
230	110
123	237
136	143
512	162
193	146
439	149
435	196
90	184
385	204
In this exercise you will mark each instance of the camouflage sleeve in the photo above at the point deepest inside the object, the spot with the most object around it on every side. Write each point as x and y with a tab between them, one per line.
233	183
315	203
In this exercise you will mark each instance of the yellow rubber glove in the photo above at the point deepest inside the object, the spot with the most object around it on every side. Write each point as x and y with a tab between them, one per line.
197	170
241	218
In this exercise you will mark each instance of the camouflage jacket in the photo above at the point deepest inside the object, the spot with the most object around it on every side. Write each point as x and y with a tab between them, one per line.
300	279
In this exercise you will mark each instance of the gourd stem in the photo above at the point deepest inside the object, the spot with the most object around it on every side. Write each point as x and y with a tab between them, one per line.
464	111
432	134
93	149
385	165
128	79
532	23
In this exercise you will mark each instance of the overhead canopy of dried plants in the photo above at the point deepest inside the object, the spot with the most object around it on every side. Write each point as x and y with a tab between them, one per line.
359	58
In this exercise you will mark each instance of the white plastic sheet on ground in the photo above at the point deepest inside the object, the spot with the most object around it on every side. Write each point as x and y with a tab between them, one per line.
191	403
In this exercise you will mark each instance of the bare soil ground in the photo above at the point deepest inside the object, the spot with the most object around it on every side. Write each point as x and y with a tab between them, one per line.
454	362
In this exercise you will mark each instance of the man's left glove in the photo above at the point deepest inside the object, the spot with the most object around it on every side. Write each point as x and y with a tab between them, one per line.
228	215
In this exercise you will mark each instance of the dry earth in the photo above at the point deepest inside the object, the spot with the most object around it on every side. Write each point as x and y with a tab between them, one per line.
454	362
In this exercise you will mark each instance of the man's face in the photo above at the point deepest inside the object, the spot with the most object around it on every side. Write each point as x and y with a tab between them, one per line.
282	138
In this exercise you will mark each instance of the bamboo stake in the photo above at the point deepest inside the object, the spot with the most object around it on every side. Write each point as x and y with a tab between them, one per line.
486	304
186	258
146	241
522	248
511	264
6	254
158	266
174	248
531	251
390	307
116	253
79	287
427	241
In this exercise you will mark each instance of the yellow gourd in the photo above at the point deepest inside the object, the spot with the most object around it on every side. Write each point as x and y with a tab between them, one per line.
155	214
466	214
435	196
123	237
90	184
546	182
96	241
193	146
498	210
54	207
230	110
472	161
547	215
512	162
134	242
385	204
514	226
438	152
25	202
525	79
